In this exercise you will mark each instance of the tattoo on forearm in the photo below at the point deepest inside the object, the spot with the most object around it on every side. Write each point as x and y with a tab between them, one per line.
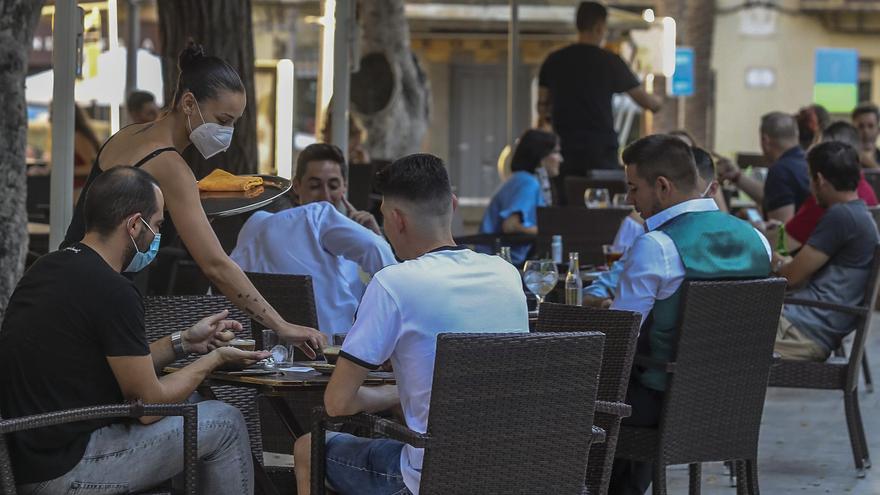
251	312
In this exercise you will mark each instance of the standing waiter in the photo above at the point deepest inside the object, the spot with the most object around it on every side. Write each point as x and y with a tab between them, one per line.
576	84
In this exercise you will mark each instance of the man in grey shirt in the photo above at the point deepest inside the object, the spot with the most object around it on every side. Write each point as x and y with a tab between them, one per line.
834	264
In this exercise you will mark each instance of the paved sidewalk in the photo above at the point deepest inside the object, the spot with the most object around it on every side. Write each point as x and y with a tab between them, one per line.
804	445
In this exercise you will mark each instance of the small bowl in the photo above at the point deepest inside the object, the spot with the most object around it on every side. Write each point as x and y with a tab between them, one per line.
331	353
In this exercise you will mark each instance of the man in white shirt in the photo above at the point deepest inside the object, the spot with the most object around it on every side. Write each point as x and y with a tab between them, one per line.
687	238
317	240
440	288
321	175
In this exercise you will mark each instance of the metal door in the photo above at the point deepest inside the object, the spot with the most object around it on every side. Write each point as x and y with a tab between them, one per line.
478	100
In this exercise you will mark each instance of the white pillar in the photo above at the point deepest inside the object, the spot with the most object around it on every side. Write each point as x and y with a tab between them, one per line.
67	28
131	46
512	69
325	73
113	45
284	113
342	74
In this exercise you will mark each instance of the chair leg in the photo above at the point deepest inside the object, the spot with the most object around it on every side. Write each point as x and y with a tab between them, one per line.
695	472
741	477
866	371
857	410
659	481
731	472
853	424
752	475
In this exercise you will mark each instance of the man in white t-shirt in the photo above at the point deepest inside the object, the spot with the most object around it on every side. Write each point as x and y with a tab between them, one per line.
316	239
440	288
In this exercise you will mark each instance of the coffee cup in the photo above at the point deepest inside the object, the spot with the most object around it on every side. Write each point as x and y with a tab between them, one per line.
244	344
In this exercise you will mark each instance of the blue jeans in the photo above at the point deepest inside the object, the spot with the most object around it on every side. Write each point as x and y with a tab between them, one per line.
364	466
130	457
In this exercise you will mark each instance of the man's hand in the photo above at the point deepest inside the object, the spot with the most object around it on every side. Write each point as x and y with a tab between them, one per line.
727	169
234	357
210	333
867	159
365	218
307	339
597	302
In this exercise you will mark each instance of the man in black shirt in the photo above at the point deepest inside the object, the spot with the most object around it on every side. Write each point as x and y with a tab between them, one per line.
73	336
575	87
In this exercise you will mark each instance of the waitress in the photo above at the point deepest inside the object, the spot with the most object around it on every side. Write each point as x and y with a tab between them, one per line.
208	101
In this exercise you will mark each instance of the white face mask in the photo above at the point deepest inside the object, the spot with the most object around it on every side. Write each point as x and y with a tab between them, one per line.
209	138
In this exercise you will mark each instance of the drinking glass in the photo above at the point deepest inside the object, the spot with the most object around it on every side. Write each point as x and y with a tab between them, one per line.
540	277
597	198
281	353
612	253
620	200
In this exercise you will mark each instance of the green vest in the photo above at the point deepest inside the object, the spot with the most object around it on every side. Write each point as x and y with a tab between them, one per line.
713	245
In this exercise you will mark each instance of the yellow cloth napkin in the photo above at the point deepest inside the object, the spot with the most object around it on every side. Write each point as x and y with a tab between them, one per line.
221	180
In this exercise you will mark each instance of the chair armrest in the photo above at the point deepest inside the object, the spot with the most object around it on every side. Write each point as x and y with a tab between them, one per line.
597	435
376	425
614	408
852	310
649	362
134	410
189	412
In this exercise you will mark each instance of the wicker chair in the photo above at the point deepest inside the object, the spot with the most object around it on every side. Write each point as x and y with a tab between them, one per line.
294	299
167	314
715	395
495	241
583	230
838	373
189	412
621	329
291	295
509	414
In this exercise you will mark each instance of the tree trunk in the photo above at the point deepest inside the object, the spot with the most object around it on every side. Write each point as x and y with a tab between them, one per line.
224	29
695	23
18	19
390	92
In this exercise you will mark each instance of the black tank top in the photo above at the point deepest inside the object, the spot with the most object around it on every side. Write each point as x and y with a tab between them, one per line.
77	228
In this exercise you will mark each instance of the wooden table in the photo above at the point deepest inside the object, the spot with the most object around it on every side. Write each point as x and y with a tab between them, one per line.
273	388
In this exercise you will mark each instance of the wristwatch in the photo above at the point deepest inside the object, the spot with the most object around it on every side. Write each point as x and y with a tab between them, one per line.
177	345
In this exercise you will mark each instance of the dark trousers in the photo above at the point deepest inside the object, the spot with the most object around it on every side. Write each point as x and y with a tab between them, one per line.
633	477
581	154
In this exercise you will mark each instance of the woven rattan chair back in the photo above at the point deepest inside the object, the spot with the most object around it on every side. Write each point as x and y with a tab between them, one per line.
291	295
863	323
294	299
167	314
621	329
511	413
715	398
583	230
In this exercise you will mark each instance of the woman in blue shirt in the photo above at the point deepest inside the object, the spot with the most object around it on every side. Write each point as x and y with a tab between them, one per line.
513	208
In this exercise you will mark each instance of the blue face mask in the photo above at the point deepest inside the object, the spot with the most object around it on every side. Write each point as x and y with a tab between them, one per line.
141	260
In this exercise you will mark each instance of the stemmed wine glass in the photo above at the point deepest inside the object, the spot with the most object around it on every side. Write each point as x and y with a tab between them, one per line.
597	198
540	277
